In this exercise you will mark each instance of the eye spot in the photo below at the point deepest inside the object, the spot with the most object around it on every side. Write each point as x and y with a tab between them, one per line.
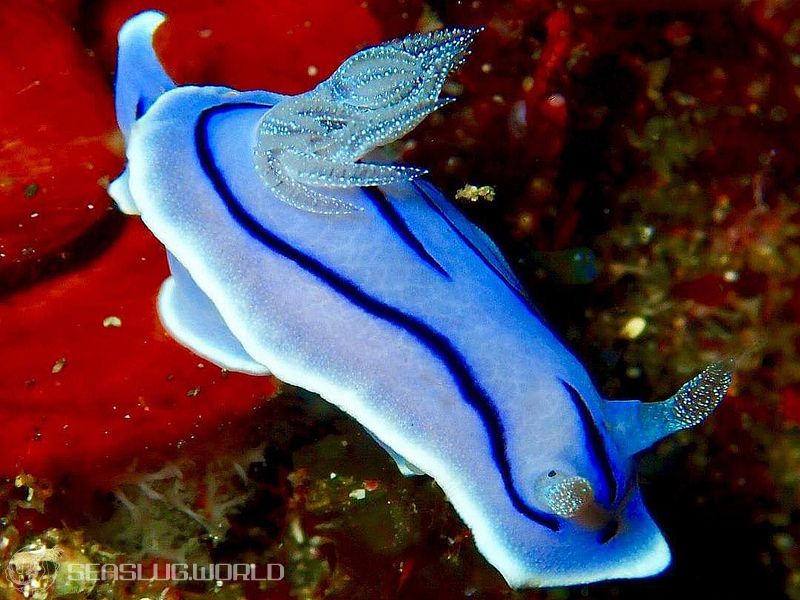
551	474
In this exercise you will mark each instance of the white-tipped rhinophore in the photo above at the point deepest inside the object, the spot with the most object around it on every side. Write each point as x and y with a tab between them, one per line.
638	425
563	495
699	397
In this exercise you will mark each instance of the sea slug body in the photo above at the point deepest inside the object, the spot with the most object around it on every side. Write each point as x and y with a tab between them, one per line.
360	282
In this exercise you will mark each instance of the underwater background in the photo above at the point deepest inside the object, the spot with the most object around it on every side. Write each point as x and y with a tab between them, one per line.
636	161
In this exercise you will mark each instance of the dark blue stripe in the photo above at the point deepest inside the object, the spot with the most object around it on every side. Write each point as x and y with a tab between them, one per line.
396	222
437	343
477	251
140	108
597	447
597	444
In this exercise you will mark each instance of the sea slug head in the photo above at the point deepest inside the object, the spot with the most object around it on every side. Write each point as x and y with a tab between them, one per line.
573	471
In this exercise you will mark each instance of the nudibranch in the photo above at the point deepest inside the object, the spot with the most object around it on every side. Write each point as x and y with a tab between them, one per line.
360	282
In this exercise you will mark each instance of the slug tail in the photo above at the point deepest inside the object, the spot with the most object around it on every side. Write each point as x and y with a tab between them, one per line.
140	77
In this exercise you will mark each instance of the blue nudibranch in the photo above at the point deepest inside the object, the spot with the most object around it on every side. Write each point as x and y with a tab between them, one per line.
360	282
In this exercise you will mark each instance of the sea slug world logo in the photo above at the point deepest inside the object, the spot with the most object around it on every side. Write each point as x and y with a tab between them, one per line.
33	570
174	572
